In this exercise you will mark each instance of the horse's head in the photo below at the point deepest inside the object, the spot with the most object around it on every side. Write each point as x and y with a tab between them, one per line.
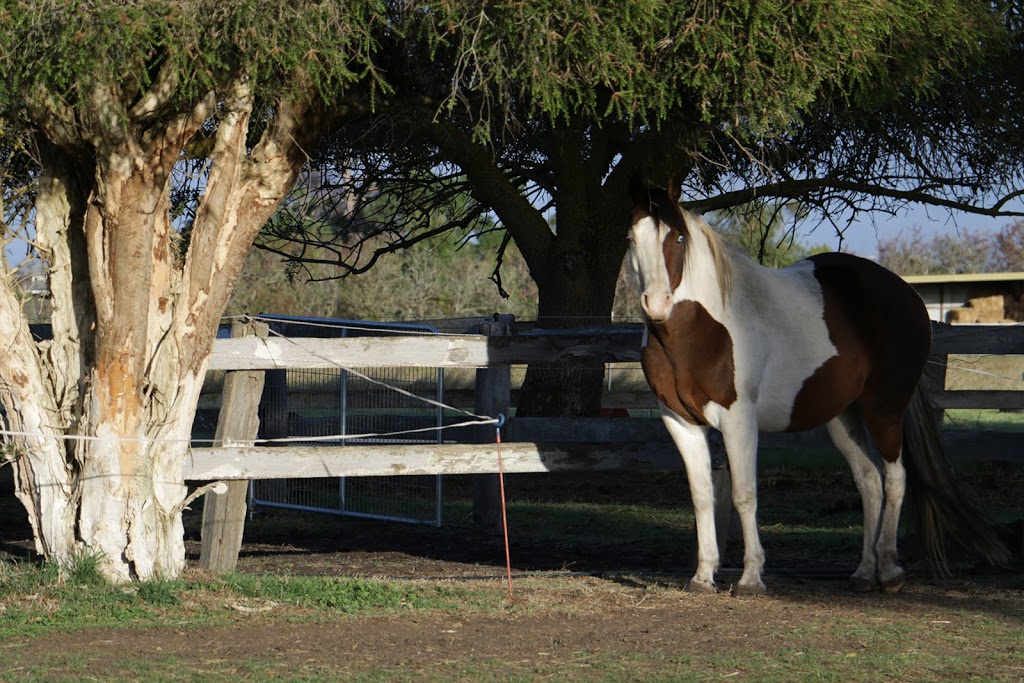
657	247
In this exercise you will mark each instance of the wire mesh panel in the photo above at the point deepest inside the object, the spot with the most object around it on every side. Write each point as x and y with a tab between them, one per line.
363	406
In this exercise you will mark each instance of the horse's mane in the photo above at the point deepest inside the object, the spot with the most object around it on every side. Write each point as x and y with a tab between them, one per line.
722	251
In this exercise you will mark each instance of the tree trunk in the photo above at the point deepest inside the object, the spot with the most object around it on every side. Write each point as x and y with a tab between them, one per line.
104	410
576	288
568	389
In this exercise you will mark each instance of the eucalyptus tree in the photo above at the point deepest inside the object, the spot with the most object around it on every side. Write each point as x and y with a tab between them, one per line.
108	99
548	110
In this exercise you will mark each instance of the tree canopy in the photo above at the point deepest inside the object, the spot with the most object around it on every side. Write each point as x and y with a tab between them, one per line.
544	111
843	107
185	47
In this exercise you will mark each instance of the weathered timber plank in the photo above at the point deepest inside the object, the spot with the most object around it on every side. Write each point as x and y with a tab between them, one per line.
602	430
588	429
980	398
454	351
378	460
1001	399
475	351
256	462
994	339
983	445
310	352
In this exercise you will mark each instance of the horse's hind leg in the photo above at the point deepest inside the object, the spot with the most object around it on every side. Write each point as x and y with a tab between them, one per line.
887	432
891	574
850	437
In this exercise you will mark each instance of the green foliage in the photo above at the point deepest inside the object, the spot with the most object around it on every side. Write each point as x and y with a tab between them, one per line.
26	578
36	600
753	64
84	570
1009	247
160	592
66	48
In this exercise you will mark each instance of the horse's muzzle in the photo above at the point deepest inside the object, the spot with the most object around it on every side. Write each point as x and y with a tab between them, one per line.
657	307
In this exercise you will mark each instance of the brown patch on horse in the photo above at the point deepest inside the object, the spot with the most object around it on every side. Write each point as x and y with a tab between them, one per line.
688	361
839	381
882	333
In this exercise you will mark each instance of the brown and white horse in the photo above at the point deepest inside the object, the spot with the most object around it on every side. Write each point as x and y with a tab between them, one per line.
833	339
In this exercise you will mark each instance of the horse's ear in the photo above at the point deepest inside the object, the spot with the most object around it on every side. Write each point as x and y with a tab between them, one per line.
674	188
638	191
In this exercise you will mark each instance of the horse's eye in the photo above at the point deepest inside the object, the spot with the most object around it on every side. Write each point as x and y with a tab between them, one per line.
680	239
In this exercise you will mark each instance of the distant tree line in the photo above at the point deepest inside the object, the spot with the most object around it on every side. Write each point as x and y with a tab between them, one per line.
965	251
439	278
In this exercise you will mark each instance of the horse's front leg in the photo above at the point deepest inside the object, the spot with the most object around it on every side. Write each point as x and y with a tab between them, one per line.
692	443
739	431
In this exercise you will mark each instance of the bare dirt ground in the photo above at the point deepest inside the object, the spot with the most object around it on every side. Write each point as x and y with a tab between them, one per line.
567	627
582	611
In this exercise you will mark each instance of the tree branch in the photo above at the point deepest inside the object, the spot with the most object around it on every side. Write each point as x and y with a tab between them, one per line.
526	224
812	190
154	101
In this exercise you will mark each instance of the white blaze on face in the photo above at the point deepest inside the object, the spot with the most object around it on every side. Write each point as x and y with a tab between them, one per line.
647	257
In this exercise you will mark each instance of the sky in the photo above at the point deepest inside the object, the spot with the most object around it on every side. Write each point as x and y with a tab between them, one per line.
862	236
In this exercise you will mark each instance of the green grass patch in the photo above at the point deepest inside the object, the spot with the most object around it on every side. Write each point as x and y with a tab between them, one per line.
347	595
38	600
984	418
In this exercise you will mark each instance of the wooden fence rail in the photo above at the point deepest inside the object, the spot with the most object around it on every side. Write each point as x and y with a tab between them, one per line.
610	345
534	445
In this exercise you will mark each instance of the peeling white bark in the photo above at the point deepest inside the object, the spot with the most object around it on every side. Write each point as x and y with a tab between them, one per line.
110	401
43	481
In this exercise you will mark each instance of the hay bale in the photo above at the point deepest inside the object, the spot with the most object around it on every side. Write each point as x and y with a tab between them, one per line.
962	315
988	309
988	304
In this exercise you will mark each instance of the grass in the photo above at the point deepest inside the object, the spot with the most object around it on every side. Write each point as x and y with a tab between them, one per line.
38	600
985	418
347	596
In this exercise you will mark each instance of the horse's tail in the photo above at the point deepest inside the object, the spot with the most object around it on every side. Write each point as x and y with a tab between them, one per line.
939	507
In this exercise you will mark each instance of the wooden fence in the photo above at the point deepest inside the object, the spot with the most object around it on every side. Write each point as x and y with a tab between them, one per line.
532	444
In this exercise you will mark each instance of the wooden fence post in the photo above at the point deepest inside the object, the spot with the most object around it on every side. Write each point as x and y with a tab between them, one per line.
933	379
238	424
493	397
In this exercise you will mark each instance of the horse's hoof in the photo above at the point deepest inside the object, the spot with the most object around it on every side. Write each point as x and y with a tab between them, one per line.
743	590
858	584
895	583
695	586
